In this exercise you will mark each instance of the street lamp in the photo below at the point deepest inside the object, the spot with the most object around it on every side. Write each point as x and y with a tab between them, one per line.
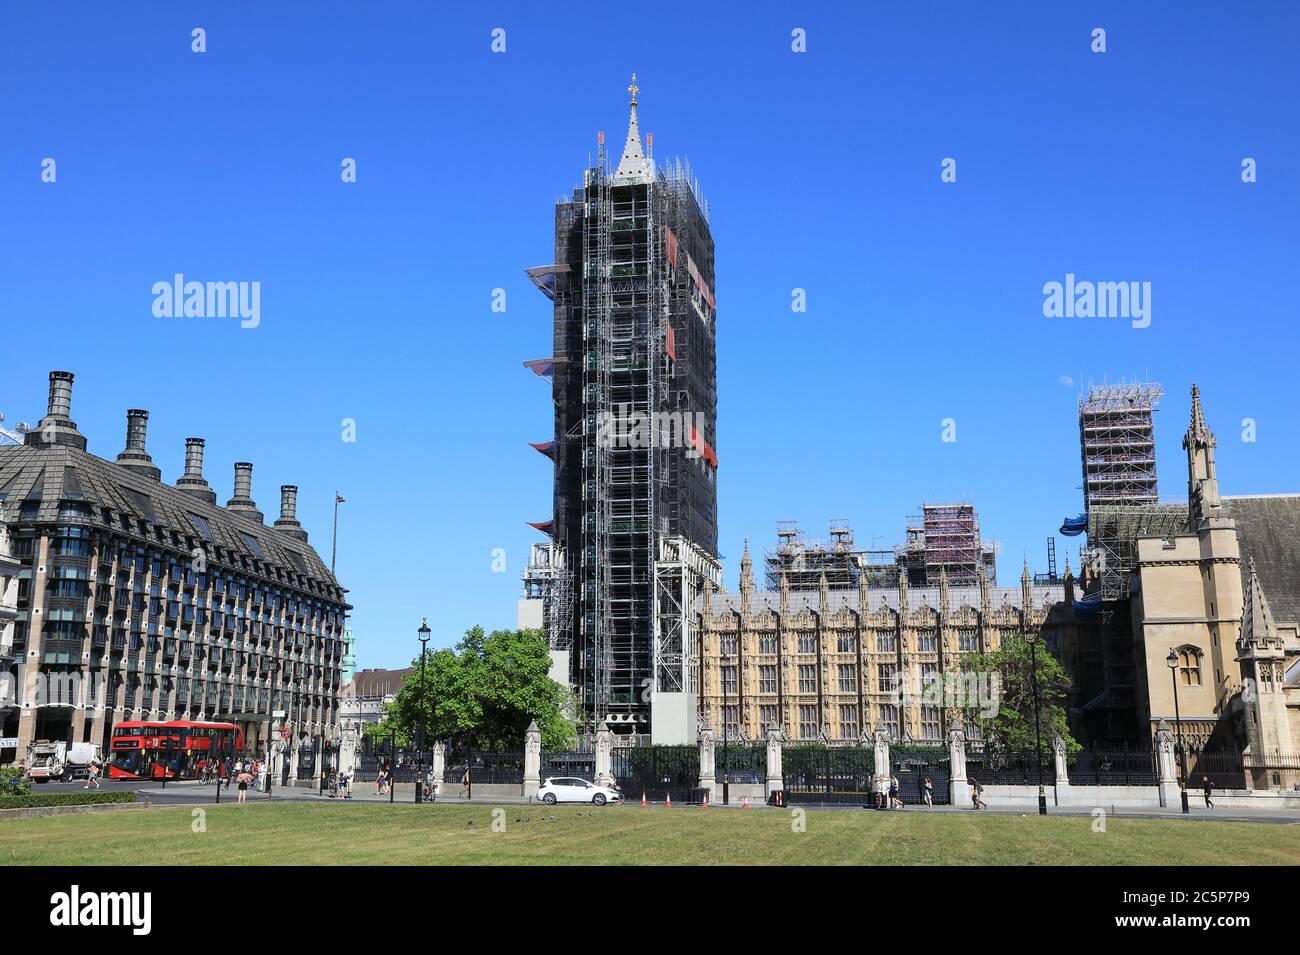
1172	661
1031	638
419	736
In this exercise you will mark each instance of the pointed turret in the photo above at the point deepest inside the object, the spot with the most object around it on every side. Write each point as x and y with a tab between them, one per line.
785	593
746	579
823	595
1257	629
1069	584
633	166
943	592
1262	658
1026	584
1202	480
986	601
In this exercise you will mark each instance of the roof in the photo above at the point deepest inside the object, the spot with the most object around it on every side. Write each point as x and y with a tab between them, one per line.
1268	530
44	477
376	684
918	597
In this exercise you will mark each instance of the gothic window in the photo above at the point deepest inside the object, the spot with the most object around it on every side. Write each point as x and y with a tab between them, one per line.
848	721
807	679
848	678
767	679
767	642
807	642
886	643
807	722
1189	666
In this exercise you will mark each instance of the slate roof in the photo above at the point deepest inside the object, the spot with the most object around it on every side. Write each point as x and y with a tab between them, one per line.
43	477
1268	528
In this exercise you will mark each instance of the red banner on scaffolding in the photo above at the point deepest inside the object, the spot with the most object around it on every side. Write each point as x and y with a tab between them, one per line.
670	344
670	245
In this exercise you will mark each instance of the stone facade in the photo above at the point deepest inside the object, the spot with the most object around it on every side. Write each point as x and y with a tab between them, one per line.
839	664
141	601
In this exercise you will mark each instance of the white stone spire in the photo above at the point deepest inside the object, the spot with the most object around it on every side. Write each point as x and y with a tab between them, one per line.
634	166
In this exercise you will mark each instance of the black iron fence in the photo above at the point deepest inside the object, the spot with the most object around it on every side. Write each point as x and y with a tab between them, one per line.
740	763
828	774
914	765
659	772
1224	769
1011	767
1115	767
579	763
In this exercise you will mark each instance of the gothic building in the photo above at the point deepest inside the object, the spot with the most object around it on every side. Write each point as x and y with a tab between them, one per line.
837	664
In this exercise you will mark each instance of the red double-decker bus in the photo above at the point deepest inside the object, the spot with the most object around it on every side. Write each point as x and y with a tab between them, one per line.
179	749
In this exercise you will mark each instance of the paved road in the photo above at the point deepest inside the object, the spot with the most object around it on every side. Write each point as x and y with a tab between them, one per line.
191	793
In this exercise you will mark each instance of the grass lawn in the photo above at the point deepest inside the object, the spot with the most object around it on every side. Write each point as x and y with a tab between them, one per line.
318	834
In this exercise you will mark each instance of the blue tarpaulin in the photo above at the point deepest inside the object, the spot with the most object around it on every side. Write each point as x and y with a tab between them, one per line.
1074	526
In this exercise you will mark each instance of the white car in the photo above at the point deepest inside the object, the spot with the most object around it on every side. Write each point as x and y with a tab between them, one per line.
572	789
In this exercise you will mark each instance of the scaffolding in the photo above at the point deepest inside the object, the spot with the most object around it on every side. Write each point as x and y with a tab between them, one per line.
1113	531
1117	444
682	572
945	538
803	561
634	346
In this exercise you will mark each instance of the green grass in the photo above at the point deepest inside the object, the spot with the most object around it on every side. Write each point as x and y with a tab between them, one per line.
316	834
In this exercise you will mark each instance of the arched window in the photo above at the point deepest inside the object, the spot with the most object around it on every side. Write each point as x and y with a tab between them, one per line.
1189	666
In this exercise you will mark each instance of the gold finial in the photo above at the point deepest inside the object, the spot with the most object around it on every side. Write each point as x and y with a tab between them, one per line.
634	89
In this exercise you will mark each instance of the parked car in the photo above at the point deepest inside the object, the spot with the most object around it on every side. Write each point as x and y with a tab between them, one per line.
572	789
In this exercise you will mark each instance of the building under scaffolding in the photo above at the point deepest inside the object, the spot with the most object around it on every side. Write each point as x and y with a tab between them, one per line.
944	538
634	383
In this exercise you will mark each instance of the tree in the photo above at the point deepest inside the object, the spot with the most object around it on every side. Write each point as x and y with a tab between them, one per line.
485	691
1010	722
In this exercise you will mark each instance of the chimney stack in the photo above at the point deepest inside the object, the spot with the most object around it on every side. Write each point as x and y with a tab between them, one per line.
57	427
242	501
134	456
192	482
288	522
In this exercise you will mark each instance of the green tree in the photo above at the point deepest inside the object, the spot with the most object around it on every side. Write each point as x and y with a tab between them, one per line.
485	691
1011	722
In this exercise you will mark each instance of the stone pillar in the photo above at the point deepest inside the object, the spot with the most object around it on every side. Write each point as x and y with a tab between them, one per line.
775	773
1062	771
958	785
439	764
1168	784
532	760
604	753
707	779
880	742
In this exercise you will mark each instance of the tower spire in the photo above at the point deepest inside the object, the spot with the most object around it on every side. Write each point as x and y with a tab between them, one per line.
633	166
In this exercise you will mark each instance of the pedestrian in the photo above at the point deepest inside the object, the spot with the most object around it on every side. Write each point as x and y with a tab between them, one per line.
261	775
1209	791
464	785
880	793
244	779
92	774
976	791
894	801
927	792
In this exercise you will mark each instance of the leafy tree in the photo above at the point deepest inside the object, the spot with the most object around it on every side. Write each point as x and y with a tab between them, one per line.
484	692
1011	722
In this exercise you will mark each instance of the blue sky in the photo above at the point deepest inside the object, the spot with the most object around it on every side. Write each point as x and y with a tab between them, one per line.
822	168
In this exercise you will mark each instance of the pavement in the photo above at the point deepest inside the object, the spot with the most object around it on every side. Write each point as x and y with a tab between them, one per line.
194	793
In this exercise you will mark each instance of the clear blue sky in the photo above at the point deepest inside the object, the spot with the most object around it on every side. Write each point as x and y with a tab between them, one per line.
924	298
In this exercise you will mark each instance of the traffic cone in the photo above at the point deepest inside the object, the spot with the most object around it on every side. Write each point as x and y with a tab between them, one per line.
705	804
668	802
746	803
643	799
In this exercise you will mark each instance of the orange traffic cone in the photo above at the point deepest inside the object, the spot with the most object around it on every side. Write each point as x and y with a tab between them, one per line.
746	804
705	804
668	802
643	799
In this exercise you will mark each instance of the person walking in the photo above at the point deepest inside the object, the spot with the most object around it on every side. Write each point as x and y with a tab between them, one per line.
92	775
976	791
464	785
1209	791
927	792
895	802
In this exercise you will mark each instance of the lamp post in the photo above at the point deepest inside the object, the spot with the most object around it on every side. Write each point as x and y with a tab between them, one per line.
726	736
419	735
1172	661
1031	637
